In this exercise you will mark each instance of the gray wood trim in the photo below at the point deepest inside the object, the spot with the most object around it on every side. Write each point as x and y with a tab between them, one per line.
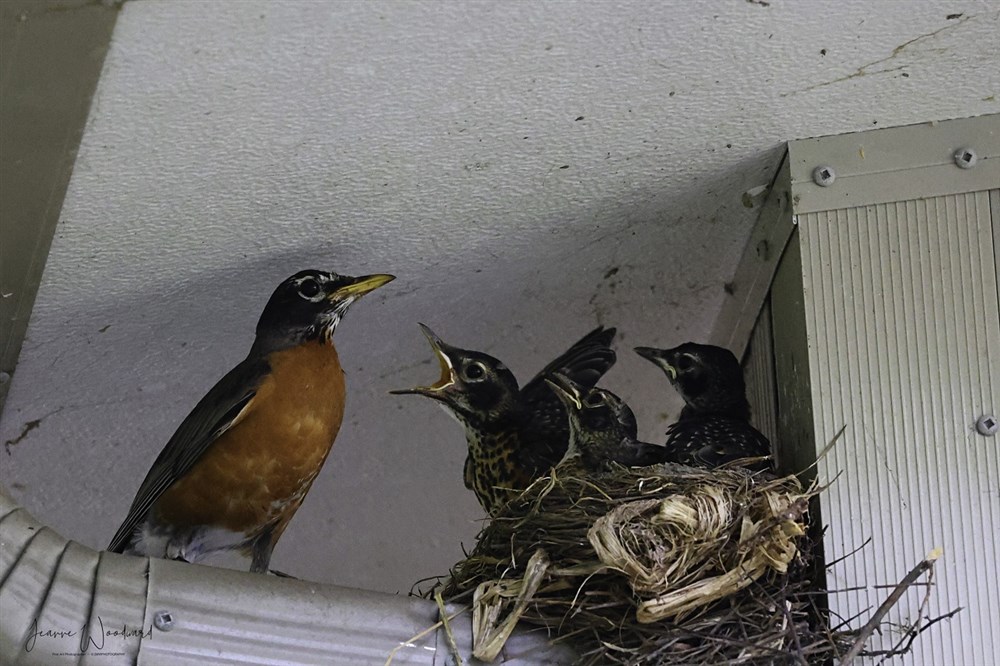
51	55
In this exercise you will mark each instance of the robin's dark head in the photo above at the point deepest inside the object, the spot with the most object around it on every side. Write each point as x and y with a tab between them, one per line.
309	305
709	378
474	386
598	419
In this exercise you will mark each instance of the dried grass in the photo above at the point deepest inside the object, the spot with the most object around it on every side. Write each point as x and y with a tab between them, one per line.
666	565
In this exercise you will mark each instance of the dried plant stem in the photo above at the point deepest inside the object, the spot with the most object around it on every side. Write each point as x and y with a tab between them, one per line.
409	642
442	611
664	565
876	619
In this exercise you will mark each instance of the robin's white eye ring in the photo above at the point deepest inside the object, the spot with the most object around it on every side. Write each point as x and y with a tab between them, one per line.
475	371
308	288
685	362
594	399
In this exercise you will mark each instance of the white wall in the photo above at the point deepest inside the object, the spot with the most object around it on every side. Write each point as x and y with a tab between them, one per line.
232	143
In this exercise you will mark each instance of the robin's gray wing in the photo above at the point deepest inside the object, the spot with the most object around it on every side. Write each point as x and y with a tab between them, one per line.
545	415
219	410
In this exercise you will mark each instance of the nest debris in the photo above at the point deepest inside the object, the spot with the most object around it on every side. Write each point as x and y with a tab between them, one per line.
666	564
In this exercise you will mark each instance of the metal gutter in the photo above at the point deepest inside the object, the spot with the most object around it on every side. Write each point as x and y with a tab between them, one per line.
57	595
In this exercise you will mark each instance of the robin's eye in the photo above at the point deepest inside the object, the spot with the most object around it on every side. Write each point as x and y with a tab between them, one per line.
475	371
685	362
308	288
594	400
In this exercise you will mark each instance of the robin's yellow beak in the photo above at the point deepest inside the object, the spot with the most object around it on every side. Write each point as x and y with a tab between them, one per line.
359	286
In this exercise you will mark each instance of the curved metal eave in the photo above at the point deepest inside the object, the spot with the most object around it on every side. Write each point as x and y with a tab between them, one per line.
56	595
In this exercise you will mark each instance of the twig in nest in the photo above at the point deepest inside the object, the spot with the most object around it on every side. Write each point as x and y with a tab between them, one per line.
899	648
876	619
848	555
826	449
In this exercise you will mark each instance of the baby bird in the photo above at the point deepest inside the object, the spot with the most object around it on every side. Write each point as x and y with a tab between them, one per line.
714	425
602	428
514	434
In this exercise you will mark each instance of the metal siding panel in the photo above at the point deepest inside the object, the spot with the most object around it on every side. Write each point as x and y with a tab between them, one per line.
904	348
902	148
894	163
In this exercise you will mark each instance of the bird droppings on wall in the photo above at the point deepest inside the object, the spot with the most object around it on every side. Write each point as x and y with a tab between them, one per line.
27	428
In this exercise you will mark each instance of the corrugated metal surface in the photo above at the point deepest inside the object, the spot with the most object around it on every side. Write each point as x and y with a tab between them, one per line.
901	309
64	604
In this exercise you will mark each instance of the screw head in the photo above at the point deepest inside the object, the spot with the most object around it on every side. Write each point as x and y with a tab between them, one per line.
966	158
824	175
988	425
163	620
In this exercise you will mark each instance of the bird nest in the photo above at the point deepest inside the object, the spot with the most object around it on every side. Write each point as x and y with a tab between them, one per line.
665	564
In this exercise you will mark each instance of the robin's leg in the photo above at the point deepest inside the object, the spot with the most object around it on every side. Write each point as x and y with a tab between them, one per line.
178	549
261	551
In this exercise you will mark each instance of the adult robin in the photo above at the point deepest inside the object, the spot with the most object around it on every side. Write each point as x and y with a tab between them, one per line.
714	425
602	428
515	435
240	464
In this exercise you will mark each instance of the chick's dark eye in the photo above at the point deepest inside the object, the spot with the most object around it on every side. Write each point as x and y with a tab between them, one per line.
474	371
685	362
308	288
594	400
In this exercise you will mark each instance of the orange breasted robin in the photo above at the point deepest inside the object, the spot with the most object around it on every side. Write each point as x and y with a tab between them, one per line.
514	435
240	464
602	428
714	425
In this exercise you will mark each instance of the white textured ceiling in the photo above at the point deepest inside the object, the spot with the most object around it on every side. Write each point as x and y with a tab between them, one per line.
528	170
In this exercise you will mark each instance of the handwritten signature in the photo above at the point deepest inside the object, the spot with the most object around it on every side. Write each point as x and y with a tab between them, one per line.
89	639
